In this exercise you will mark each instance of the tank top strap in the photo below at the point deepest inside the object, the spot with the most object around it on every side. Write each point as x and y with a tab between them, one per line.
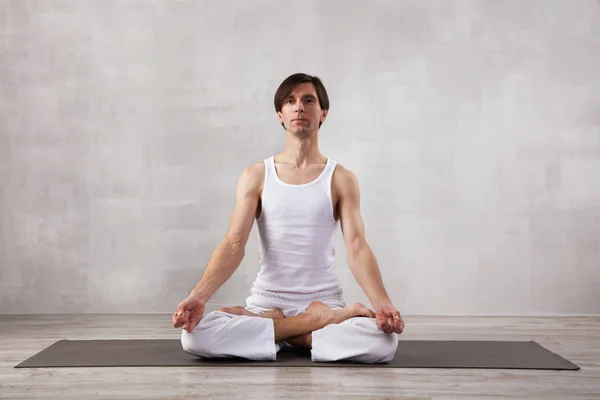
328	177
268	167
331	165
268	177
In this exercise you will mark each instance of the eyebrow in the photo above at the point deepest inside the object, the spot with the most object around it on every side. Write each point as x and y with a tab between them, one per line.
291	96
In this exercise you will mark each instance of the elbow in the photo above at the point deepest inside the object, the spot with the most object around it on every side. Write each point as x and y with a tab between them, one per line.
235	246
356	247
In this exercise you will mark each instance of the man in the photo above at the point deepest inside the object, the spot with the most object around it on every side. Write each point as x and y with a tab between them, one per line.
297	198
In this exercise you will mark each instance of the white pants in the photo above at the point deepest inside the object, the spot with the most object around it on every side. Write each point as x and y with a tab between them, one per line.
220	334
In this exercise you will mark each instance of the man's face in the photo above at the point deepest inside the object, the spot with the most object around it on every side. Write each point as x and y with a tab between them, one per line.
301	112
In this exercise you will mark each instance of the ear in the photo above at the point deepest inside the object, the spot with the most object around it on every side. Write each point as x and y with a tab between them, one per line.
280	116
323	115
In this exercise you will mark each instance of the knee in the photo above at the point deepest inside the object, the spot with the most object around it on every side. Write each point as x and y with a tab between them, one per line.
356	339
380	346
384	347
193	343
201	340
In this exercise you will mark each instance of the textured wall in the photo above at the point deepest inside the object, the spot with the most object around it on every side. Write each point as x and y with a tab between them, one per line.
473	126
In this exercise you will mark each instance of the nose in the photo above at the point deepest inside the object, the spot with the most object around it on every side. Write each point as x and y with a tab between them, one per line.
299	106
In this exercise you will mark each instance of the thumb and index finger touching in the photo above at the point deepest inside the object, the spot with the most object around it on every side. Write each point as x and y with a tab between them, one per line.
393	320
180	317
186	316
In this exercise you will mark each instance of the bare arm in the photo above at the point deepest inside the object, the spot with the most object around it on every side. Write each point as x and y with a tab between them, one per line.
230	252
361	259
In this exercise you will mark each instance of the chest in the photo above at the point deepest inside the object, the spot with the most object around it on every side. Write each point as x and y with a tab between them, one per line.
295	176
296	201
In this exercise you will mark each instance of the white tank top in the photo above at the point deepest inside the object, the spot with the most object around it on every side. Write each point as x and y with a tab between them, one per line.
296	230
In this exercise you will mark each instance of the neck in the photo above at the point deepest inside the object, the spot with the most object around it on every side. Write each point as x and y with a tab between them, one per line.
302	151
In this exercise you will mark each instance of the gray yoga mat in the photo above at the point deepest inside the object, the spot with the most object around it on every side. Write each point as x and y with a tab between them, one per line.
410	354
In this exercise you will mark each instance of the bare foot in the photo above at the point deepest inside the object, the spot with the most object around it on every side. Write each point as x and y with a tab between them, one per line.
273	314
329	315
358	310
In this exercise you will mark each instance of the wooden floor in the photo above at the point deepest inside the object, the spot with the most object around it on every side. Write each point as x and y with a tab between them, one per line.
574	338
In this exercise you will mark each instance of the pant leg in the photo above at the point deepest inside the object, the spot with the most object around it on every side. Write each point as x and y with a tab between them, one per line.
356	339
220	334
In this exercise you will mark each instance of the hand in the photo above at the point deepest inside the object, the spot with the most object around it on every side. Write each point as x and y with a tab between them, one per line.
188	313
389	319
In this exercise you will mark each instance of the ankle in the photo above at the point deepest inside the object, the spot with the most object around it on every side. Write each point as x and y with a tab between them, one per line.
318	319
273	314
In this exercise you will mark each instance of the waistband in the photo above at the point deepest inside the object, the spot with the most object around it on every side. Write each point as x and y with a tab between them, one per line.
298	298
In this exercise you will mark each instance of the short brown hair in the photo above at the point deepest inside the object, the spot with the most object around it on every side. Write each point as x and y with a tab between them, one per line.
291	82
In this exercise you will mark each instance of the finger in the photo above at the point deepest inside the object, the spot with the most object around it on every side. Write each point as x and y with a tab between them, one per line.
385	327
398	323
192	324
186	319
191	327
177	318
398	328
180	317
390	322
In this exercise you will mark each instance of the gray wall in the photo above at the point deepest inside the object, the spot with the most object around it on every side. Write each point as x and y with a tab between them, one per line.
473	127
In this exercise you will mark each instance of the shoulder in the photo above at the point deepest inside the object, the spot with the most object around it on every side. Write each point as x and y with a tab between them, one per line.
252	176
344	181
254	171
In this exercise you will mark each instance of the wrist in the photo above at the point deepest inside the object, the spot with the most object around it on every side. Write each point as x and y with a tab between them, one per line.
379	304
199	295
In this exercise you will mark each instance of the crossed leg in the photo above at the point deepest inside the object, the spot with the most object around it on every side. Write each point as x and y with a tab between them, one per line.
330	334
298	330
